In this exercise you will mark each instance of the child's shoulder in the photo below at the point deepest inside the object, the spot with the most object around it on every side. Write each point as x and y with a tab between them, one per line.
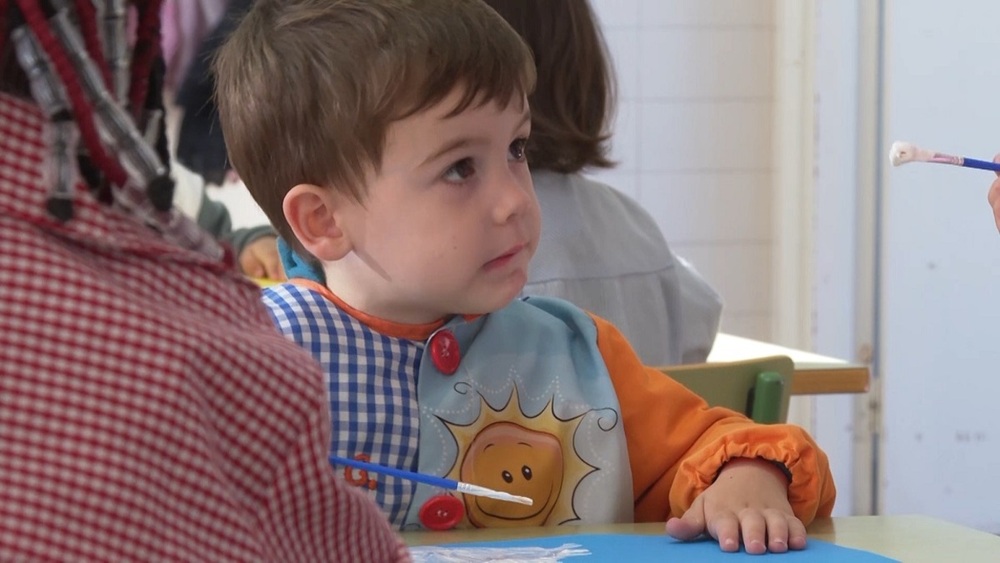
298	305
290	292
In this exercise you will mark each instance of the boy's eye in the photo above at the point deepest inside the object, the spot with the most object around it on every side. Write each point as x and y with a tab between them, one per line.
517	149
460	170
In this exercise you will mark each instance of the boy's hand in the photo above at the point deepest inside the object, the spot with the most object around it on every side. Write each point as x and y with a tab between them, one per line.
994	195
259	259
750	496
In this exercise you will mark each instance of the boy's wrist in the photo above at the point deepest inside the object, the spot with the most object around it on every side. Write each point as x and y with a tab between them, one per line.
775	467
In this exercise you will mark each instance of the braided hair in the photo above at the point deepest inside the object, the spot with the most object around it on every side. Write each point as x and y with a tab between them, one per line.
104	107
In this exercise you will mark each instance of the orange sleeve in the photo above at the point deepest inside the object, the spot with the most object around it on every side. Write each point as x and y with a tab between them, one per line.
677	444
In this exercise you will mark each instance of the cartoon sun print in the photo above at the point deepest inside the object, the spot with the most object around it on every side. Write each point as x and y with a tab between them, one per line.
531	456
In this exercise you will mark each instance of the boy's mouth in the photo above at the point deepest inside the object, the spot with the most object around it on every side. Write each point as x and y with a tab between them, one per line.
505	258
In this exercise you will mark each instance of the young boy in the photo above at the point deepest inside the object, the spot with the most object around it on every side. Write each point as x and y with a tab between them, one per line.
385	140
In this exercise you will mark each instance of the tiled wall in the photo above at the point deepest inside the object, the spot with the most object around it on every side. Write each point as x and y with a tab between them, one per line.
693	137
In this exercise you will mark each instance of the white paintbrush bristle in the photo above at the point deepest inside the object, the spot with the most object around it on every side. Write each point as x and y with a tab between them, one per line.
470	489
903	152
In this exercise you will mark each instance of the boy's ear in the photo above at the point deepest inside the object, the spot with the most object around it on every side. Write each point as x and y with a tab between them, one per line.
313	214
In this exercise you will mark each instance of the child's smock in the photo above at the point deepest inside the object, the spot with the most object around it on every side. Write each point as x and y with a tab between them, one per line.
538	399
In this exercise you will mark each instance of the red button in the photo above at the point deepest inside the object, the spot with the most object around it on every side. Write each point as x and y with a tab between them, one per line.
441	512
444	352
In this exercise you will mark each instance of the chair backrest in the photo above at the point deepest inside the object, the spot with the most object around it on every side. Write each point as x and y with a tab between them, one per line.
759	388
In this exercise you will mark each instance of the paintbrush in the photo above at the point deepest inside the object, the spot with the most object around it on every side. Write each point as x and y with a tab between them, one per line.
434	480
902	152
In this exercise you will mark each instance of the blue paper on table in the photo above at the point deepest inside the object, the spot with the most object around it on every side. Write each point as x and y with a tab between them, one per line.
636	548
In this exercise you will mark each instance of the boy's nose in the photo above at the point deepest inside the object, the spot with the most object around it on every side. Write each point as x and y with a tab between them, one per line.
514	194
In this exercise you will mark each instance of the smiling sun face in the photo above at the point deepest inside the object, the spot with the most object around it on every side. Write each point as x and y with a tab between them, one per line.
506	450
510	458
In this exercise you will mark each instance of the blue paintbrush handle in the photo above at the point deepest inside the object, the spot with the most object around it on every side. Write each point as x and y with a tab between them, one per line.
433	480
981	164
401	473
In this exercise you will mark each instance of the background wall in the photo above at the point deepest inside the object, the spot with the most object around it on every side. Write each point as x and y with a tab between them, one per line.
903	263
843	183
693	137
941	265
699	134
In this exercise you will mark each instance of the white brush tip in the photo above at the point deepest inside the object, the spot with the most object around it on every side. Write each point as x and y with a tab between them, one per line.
471	489
902	152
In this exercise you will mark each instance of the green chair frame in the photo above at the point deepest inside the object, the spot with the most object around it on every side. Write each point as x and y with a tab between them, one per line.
759	388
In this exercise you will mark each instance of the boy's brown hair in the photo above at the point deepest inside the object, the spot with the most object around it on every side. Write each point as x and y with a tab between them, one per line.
307	89
573	101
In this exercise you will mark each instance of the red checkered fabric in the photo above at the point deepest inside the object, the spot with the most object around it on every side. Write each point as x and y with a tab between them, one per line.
148	408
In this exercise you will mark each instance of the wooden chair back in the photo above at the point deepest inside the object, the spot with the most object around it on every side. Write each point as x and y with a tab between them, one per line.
759	387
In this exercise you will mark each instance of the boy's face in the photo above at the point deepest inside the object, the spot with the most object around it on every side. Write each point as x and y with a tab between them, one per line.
451	221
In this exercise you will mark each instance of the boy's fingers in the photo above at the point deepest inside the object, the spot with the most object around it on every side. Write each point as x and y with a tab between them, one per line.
755	530
691	524
796	534
725	528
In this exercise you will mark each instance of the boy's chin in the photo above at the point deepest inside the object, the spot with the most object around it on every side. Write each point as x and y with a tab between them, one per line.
493	304
513	294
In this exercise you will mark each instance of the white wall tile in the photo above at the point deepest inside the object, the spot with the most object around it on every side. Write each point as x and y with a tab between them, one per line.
625	136
623	48
706	207
707	63
753	326
616	13
693	137
707	12
740	272
702	136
